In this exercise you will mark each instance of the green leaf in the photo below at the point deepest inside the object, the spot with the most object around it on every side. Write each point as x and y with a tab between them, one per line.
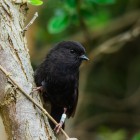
71	3
104	1
136	137
70	6
35	2
99	19
87	13
58	23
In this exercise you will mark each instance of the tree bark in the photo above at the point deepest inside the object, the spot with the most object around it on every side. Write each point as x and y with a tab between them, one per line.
21	119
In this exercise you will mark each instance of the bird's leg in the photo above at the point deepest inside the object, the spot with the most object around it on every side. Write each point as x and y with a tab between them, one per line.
62	120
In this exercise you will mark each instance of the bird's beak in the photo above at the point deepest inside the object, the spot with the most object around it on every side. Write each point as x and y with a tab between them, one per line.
84	57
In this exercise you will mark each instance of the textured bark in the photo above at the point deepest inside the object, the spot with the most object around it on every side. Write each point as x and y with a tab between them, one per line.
21	119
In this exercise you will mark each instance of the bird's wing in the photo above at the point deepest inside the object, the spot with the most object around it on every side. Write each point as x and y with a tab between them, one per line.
75	102
40	74
76	94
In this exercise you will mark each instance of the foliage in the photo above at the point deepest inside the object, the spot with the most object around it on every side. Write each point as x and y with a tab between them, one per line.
104	1
136	137
35	2
58	23
70	10
107	134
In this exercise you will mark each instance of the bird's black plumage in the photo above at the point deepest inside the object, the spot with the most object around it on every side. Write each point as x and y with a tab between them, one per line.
59	76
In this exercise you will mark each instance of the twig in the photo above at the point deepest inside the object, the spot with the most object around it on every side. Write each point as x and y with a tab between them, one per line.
106	46
31	22
32	100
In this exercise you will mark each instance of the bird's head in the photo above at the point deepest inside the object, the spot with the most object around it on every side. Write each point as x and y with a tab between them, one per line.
70	53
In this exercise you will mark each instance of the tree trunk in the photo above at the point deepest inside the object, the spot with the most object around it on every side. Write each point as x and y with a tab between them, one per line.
21	119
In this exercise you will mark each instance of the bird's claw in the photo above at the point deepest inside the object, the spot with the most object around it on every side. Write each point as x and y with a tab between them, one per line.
37	89
58	127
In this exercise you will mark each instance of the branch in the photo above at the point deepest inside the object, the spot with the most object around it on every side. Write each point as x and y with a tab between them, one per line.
110	117
100	100
111	45
32	100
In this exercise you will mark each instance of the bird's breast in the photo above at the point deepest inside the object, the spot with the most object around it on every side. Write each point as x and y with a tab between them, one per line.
60	89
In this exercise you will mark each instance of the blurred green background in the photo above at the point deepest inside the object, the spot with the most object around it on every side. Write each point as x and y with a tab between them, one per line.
109	103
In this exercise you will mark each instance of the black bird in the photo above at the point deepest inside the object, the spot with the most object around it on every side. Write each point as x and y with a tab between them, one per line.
57	77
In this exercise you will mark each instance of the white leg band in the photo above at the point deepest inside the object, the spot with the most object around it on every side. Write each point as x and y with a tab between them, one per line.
63	117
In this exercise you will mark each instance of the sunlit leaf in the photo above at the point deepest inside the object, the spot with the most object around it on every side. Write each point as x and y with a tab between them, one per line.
58	23
35	2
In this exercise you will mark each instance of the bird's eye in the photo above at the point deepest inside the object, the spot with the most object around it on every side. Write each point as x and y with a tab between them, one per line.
72	51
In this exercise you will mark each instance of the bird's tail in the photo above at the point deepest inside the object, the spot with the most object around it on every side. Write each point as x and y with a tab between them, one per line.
56	113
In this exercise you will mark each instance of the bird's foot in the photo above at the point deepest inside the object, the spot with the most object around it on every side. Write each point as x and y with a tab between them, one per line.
58	127
37	89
